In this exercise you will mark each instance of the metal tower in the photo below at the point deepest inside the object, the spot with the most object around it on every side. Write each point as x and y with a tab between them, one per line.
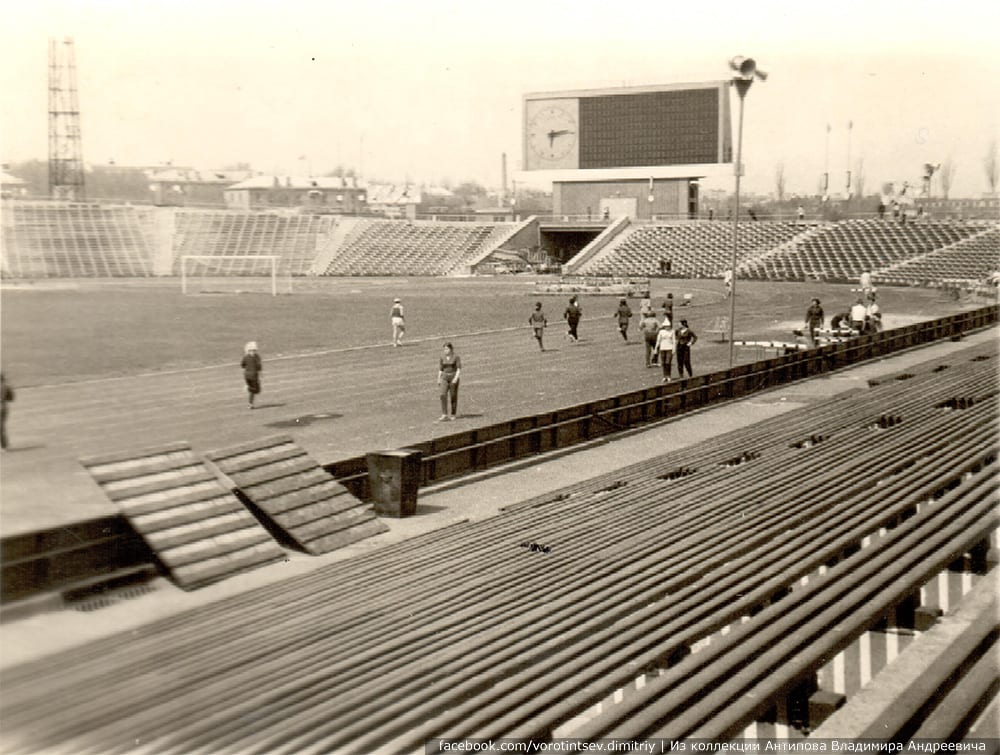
65	144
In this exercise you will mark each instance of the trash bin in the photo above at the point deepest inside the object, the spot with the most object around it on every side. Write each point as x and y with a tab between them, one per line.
394	477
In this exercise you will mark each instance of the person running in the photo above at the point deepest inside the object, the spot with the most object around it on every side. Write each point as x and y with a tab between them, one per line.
538	322
252	368
624	314
398	324
665	347
449	371
684	338
572	317
649	326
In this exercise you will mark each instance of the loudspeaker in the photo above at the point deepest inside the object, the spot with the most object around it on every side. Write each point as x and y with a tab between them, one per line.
747	67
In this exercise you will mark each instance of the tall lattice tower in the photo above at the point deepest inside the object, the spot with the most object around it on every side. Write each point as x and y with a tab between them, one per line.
65	143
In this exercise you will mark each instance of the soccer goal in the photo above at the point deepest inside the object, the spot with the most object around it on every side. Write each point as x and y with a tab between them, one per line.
233	274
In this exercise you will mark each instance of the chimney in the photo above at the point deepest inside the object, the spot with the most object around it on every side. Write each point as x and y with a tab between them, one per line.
503	176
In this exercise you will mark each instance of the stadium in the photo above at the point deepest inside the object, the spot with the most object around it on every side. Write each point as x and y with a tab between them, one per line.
795	543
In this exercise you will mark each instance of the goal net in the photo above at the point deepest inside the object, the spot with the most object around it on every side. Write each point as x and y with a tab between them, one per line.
234	274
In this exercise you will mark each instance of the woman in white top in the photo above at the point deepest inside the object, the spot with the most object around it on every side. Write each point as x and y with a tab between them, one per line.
665	347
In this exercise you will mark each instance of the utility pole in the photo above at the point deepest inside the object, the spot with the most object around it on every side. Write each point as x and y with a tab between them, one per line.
65	141
850	128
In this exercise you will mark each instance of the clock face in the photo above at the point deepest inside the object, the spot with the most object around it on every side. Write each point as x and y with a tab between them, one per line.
552	133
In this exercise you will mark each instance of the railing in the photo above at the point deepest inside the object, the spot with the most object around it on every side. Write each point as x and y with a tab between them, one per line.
474	450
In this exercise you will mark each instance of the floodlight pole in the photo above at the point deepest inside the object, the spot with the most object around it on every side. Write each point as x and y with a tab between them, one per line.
742	85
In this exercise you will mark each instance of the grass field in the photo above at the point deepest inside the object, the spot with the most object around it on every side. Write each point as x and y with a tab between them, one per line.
89	329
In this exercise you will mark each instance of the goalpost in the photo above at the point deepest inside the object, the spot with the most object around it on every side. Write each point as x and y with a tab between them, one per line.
231	273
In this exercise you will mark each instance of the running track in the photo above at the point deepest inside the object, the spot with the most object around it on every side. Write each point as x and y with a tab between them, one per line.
336	404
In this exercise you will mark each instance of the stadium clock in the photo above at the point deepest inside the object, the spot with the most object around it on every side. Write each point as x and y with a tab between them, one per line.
552	133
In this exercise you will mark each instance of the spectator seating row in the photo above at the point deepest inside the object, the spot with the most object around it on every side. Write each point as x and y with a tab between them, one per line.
970	260
842	251
295	238
49	240
694	249
724	575
404	247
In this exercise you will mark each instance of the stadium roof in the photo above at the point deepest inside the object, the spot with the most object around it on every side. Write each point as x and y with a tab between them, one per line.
189	175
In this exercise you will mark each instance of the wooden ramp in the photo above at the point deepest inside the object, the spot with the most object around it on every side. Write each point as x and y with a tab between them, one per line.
297	495
197	529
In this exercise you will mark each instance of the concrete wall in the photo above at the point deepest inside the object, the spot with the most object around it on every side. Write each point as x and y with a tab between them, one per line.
527	237
583	198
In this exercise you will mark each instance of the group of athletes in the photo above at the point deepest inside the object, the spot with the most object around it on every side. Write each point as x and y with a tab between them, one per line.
660	338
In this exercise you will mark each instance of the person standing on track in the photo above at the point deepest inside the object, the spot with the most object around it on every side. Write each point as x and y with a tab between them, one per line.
398	324
649	326
449	371
814	320
665	347
624	314
645	305
684	338
6	396
538	322
572	316
858	314
252	368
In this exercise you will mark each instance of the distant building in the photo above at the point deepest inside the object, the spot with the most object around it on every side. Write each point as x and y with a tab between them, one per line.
12	186
179	187
322	193
408	201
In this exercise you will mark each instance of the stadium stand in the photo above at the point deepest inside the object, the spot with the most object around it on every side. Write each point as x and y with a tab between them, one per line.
293	237
70	240
695	250
50	240
726	575
296	495
198	530
842	251
401	247
970	260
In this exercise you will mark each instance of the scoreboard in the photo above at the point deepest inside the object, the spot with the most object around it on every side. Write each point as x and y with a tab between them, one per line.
679	124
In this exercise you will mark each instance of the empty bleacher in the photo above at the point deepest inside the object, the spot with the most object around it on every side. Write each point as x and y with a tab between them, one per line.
57	240
842	251
404	247
695	250
294	238
727	576
970	260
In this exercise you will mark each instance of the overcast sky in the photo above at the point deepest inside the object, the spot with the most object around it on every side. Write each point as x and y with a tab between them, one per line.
432	90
